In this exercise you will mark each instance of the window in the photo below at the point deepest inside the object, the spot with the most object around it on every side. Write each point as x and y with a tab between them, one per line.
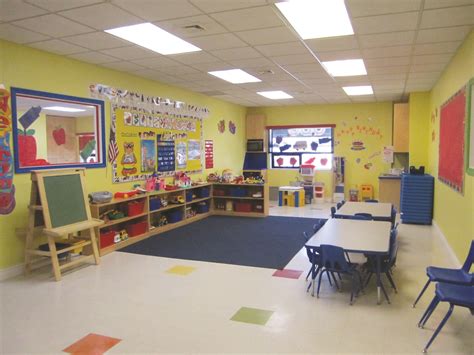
293	147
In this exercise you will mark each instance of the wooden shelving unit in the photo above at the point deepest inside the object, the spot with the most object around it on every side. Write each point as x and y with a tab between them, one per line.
200	198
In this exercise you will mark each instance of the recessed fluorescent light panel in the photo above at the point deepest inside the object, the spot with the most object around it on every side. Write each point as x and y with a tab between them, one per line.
358	90
275	95
317	18
235	76
63	109
349	67
154	38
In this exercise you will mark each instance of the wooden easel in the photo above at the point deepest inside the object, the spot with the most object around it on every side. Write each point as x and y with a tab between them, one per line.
59	210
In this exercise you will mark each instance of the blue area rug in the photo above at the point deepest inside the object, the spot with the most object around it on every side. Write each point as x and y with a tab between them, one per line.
269	242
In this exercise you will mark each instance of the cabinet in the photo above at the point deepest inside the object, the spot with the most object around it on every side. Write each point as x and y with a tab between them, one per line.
389	190
255	127
400	128
142	216
247	200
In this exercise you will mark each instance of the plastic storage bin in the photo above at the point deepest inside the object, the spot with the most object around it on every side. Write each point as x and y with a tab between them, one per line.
202	207
238	192
175	216
203	192
137	228
243	207
219	192
155	203
135	207
189	195
106	238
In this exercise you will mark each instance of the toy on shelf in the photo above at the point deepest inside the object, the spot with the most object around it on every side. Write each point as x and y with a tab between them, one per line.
182	180
212	177
171	187
163	221
255	180
177	200
100	197
227	176
150	184
123	235
125	194
238	180
164	202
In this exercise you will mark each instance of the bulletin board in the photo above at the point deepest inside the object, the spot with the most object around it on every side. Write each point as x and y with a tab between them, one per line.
470	131
451	141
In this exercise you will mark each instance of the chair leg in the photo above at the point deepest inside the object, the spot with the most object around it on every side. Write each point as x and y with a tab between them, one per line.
368	278
319	282
440	326
421	293
313	279
329	278
428	312
389	277
384	292
335	281
309	272
352	289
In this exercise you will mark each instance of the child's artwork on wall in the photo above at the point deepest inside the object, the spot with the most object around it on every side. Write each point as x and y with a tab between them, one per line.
148	157
209	154
169	124
7	189
232	127
470	132
194	149
181	155
451	141
221	126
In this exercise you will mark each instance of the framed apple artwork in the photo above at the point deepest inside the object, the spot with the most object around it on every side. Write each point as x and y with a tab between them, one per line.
59	136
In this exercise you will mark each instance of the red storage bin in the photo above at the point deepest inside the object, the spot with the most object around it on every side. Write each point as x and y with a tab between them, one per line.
243	207
135	207
106	239
137	228
218	192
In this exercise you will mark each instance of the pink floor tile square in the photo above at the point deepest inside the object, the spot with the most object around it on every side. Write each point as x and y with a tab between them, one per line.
288	273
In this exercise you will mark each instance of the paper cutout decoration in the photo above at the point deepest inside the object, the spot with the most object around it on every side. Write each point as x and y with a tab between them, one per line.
221	126
7	189
209	154
357	145
232	127
129	159
30	116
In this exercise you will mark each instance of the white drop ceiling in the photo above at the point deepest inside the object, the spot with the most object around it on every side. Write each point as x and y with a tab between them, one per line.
405	44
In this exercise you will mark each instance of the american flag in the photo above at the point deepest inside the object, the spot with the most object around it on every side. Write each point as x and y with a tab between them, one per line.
113	147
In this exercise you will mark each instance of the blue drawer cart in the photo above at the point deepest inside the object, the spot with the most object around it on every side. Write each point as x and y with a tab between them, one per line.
416	199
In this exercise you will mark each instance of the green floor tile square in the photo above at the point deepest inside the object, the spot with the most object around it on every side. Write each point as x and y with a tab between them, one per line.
252	315
181	270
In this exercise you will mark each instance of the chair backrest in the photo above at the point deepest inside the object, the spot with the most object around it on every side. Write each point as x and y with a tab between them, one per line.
318	225
334	259
469	259
338	205
393	248
343	202
372	201
363	216
333	211
313	255
393	216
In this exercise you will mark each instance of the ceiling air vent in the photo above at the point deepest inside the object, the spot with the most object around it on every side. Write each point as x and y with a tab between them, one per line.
266	72
194	28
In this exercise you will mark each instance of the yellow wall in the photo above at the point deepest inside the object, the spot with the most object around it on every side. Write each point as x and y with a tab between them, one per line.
345	116
25	67
419	120
453	212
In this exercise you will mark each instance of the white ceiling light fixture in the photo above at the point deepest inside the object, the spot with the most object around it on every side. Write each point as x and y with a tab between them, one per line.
275	95
317	18
154	38
358	90
235	76
63	109
349	67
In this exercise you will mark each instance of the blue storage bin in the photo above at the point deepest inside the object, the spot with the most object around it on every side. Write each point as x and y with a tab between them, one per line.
202	207
238	191
175	216
203	192
155	204
189	195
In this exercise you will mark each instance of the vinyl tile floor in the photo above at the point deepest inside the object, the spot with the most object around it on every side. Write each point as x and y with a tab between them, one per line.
134	304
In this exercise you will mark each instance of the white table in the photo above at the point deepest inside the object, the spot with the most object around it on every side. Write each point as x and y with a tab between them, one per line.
377	210
356	236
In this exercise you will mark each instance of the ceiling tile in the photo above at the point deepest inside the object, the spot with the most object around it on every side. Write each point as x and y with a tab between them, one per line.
194	58
145	73
332	44
431	59
130	53
453	16
385	23
433	67
304	68
358	8
386	62
157	62
248	19
267	35
97	41
19	35
388	76
425	75
304	58
123	66
383	52
418	87
251	62
152	10
388	97
388	70
236	53
436	48
353	80
14	10
60	5
102	16
312	75
53	25
384	39
57	46
93	57
340	55
220	41
218	6
179	70
276	75
280	49
434	4
182	27
435	35
218	65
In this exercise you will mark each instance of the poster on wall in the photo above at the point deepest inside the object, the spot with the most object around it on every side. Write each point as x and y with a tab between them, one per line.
470	133
7	189
166	156
388	154
194	149
451	141
181	155
148	156
209	154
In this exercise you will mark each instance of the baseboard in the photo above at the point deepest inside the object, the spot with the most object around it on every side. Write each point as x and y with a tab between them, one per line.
11	271
450	250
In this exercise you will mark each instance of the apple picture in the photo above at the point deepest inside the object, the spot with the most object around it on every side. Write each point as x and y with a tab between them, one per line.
324	161
59	136
280	161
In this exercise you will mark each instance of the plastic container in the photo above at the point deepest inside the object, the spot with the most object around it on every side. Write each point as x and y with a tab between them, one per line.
203	192
107	238
135	207
175	216
219	192
189	195
137	228
155	203
243	207
238	192
202	207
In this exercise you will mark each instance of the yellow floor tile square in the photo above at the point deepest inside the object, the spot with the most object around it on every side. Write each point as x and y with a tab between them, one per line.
181	270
